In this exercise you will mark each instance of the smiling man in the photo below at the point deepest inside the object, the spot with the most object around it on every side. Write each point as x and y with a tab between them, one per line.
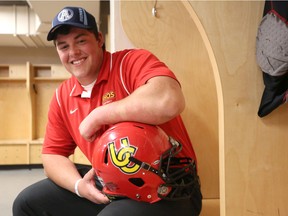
105	89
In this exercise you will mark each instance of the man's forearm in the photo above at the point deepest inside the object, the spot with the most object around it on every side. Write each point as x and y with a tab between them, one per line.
61	170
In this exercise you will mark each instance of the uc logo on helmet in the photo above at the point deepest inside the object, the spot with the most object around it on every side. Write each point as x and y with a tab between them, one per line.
121	157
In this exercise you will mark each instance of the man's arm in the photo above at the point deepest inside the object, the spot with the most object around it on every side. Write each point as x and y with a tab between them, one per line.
156	102
63	172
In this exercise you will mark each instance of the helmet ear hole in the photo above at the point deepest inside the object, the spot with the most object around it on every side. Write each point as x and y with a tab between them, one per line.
139	126
106	157
137	181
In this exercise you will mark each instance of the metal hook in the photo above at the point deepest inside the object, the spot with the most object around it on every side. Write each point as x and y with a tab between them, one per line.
154	10
34	88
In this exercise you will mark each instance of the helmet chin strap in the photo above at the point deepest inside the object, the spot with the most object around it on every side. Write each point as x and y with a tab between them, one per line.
144	165
169	155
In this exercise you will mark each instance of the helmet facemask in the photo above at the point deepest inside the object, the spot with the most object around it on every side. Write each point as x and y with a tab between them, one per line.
178	173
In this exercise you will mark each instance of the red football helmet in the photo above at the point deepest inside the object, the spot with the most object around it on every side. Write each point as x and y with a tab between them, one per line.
138	161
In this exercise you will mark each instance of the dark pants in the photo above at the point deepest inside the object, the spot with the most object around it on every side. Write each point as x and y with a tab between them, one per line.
45	198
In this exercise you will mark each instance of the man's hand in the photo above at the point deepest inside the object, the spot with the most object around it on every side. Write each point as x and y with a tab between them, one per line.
88	190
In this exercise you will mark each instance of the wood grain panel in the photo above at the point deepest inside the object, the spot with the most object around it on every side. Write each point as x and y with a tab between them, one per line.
14	110
175	39
255	176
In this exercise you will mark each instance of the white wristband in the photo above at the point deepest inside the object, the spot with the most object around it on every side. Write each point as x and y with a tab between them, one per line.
76	187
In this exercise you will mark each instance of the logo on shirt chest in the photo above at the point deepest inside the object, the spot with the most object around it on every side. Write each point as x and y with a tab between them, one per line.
108	97
73	111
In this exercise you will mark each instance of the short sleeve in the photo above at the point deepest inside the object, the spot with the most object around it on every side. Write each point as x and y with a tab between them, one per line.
57	137
139	66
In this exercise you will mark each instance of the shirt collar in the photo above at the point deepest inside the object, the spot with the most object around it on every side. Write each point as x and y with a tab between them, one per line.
105	68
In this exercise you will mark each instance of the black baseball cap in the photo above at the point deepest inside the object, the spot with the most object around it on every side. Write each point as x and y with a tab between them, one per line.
72	16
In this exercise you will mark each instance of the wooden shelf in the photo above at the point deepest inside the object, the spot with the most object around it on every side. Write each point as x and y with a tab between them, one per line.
13	142
36	141
13	152
50	79
14	72
12	79
49	73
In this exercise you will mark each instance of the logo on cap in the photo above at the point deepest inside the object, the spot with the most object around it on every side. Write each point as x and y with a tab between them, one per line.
65	15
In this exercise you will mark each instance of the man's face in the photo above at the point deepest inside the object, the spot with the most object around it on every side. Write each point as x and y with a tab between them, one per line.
81	54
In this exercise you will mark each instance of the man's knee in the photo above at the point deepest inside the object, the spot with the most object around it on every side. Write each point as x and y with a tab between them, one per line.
21	204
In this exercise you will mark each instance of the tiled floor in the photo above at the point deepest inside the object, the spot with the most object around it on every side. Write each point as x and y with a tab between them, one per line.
12	181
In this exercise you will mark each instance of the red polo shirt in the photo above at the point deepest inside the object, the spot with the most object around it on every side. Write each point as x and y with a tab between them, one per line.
121	73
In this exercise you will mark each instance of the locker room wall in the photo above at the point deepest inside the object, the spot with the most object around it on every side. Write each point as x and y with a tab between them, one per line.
253	172
210	45
242	158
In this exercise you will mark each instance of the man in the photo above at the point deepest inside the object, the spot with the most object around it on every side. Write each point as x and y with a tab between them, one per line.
105	89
